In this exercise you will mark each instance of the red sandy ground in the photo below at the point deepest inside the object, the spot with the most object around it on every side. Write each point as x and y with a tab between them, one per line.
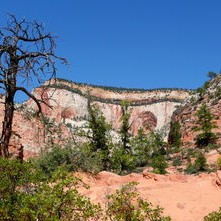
183	197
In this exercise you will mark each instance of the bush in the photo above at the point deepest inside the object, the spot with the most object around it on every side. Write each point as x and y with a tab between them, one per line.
214	216
122	161
126	204
218	163
49	162
177	161
198	166
200	162
24	195
190	169
159	164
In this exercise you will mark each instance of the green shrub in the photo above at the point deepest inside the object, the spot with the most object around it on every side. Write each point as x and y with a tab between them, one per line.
200	162
122	161
159	164
177	161
190	169
214	216
126	205
24	195
198	166
218	163
49	161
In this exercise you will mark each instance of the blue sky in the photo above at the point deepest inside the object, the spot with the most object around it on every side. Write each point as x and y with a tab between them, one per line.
131	43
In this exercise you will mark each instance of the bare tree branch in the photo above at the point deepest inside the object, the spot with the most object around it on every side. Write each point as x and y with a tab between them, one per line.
27	53
31	96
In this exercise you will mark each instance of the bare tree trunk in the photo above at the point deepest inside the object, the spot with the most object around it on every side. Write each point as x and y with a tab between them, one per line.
26	51
7	124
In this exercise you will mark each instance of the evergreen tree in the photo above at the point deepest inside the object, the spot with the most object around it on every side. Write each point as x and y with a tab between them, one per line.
211	75
200	162
99	134
124	131
205	125
174	138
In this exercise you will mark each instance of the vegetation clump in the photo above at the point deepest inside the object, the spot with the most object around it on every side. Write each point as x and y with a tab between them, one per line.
27	194
213	216
127	205
199	165
205	124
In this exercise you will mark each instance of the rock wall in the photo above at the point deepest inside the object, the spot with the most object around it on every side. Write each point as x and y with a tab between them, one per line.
209	94
65	103
150	110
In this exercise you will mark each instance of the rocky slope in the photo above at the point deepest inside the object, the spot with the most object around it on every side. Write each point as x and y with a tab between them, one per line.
210	94
183	197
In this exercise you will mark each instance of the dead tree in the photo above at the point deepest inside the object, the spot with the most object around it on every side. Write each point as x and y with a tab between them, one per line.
27	54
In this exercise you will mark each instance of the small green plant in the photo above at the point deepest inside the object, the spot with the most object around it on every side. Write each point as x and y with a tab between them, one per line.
199	165
122	161
190	169
200	162
218	92
177	161
126	205
159	164
213	216
218	163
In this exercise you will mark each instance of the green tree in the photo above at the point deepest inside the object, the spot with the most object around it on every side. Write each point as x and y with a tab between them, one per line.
27	52
211	75
124	131
99	134
99	129
200	162
141	147
198	166
145	146
174	138
205	125
159	164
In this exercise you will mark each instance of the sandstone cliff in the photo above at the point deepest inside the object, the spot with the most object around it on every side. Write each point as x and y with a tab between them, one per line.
65	104
209	93
149	108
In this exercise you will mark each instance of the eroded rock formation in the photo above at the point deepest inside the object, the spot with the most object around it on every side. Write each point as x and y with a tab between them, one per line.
66	103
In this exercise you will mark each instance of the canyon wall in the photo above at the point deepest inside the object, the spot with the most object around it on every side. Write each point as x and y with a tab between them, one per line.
209	94
65	105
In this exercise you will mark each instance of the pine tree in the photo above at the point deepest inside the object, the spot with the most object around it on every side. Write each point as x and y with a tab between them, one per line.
205	125
174	138
124	131
99	134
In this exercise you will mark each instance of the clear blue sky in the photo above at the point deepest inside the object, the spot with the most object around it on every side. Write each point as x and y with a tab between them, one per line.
131	43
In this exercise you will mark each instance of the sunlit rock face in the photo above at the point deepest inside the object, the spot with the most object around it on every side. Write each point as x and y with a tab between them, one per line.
66	104
149	110
186	113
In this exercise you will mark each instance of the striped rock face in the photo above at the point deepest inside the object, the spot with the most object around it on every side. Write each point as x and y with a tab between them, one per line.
65	103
